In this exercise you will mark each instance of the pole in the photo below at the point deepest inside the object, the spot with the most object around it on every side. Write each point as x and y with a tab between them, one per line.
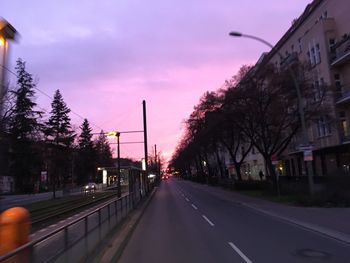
308	167
145	143
155	161
3	50
119	193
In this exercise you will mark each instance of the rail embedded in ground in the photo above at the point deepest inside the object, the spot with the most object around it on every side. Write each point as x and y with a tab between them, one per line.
77	239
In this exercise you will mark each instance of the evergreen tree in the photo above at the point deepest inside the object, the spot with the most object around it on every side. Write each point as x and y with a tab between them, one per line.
103	151
59	132
24	127
58	127
24	124
85	142
86	158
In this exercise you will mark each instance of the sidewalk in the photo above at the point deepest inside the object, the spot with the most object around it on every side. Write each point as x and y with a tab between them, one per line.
333	222
110	250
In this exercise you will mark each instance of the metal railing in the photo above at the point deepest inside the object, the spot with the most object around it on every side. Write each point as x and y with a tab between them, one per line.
77	239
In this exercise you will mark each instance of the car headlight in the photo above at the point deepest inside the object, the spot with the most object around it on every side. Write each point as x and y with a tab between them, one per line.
86	187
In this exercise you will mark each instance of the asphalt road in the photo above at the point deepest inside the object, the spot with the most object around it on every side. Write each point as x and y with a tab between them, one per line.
186	224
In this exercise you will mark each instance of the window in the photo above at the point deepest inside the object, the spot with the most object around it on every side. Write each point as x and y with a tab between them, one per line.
325	14
323	126
300	45
344	128
318	54
318	89
331	42
337	84
309	57
313	56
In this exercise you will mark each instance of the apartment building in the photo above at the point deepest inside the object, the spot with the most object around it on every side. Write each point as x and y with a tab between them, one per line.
321	38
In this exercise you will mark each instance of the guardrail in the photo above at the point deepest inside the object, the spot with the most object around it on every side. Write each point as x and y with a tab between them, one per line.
72	242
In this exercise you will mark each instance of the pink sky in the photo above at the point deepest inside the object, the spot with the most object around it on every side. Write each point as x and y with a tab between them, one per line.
107	56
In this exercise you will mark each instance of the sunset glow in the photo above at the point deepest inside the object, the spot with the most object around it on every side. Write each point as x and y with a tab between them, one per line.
107	56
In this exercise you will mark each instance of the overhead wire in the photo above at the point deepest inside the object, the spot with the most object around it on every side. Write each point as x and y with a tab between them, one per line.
47	95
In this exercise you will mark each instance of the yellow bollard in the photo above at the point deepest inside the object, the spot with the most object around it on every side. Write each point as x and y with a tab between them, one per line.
14	229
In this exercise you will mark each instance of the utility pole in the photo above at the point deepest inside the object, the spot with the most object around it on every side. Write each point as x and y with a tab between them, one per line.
155	161
119	193
145	144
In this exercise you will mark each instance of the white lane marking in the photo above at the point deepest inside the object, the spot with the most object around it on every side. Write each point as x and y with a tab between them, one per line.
187	199
239	252
53	225
195	207
183	195
207	219
42	230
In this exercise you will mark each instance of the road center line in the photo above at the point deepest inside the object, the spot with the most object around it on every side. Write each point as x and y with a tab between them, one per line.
187	199
195	207
239	252
209	222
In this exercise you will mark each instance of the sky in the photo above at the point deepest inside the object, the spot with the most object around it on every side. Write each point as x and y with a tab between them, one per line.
107	56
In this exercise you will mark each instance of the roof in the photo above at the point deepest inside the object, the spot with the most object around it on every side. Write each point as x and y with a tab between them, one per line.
310	8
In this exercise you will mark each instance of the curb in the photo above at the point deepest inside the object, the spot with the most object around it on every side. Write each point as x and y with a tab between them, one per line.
120	238
339	236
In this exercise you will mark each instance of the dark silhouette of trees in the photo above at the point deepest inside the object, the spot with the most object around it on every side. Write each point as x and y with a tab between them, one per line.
58	128
59	133
104	154
258	107
86	158
25	129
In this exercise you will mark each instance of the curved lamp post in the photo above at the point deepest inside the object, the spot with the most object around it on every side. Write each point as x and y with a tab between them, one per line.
7	32
300	102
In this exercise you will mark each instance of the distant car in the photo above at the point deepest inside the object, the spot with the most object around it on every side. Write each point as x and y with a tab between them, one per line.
165	177
90	188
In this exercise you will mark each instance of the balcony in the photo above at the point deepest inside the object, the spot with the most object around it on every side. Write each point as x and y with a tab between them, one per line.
340	52
342	98
289	60
345	139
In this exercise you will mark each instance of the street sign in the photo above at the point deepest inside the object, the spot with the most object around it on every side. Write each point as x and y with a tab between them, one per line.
274	159
305	147
308	155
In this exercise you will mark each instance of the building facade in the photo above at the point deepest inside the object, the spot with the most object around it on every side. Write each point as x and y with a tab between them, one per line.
320	37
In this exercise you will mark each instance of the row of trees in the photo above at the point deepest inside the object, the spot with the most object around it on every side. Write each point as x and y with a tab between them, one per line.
257	108
33	144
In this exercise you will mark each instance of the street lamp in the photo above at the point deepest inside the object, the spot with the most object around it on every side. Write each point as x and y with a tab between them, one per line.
7	32
305	141
116	134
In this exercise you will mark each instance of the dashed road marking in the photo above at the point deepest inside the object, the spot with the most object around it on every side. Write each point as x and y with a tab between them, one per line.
194	207
53	225
187	199
207	219
239	252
